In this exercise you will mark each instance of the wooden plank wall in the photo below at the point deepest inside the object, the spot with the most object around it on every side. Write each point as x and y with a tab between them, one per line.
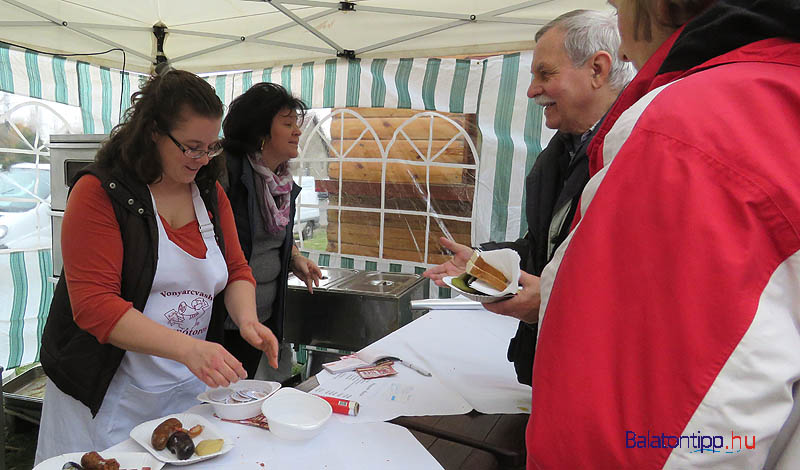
451	188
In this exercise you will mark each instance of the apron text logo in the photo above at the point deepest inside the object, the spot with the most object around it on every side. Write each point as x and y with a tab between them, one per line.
166	293
187	311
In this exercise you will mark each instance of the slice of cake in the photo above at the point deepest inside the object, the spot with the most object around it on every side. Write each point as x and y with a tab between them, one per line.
478	267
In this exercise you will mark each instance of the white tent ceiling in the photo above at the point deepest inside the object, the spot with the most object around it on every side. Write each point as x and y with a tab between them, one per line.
214	35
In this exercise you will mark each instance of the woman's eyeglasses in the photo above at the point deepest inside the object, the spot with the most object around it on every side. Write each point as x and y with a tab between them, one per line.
213	150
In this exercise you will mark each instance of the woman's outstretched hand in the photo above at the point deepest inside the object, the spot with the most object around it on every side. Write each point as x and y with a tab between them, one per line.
261	337
213	364
307	271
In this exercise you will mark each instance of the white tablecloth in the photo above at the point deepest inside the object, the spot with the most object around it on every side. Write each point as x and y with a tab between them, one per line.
338	447
465	350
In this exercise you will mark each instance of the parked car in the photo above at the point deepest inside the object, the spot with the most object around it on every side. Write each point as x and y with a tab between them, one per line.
309	216
25	207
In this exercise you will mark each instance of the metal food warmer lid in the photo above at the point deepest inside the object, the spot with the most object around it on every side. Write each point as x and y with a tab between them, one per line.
330	278
25	390
355	309
377	283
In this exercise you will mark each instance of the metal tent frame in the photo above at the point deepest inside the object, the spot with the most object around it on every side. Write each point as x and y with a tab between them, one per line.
315	29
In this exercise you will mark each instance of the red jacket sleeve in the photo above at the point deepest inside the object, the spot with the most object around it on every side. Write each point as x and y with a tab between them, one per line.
671	312
92	251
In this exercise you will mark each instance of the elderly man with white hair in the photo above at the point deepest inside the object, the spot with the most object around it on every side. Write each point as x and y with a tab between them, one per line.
577	76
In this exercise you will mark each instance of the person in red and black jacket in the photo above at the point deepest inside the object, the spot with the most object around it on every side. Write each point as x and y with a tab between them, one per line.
669	320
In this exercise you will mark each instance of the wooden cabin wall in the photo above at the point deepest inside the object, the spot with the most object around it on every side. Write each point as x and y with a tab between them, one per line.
452	189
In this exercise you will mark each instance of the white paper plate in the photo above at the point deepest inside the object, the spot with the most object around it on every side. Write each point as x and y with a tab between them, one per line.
132	460
484	299
144	431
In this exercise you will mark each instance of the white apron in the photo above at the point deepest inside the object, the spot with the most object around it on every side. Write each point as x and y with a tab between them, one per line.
145	387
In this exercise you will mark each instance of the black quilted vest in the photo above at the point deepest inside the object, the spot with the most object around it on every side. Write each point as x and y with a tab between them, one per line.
72	358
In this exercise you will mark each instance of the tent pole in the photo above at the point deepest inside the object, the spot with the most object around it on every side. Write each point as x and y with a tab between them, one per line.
484	17
279	6
162	64
293	46
255	38
66	24
408	37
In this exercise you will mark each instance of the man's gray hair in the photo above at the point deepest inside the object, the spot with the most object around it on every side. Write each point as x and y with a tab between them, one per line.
586	33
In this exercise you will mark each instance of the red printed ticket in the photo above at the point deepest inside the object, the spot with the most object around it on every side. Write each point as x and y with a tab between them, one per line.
384	369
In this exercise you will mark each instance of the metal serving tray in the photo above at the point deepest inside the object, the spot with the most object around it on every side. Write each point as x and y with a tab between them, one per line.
352	312
330	277
25	390
379	284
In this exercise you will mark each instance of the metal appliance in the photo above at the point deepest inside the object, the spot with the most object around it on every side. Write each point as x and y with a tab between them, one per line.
68	154
23	394
349	310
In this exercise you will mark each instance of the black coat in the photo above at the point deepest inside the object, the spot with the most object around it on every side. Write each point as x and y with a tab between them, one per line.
556	179
242	194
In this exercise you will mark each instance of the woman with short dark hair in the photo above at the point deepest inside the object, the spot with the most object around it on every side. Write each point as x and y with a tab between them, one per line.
262	132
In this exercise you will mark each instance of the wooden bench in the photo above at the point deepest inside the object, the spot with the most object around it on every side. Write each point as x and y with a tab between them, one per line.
500	435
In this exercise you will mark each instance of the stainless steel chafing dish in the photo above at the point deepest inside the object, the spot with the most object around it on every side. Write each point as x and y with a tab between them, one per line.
351	309
23	394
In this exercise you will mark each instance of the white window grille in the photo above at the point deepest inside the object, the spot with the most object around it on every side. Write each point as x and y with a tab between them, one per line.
25	129
417	172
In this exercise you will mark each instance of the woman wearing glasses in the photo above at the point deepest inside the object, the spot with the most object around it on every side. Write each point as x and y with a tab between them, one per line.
261	136
151	264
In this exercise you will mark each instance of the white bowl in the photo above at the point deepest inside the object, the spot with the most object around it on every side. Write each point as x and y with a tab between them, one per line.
240	410
295	415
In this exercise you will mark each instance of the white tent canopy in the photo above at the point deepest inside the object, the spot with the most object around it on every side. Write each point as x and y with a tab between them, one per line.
403	59
217	35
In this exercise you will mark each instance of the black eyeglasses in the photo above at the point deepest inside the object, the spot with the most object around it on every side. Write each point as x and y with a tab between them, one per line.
213	150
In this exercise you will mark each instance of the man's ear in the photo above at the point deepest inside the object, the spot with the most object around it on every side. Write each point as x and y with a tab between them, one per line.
600	64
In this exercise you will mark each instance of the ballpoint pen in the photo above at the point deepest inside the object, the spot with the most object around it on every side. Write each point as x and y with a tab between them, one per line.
411	366
416	368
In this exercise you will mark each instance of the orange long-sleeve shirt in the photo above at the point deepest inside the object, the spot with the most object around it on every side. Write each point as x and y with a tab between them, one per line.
92	251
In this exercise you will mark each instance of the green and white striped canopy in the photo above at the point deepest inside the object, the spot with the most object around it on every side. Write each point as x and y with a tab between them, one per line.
494	88
24	304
